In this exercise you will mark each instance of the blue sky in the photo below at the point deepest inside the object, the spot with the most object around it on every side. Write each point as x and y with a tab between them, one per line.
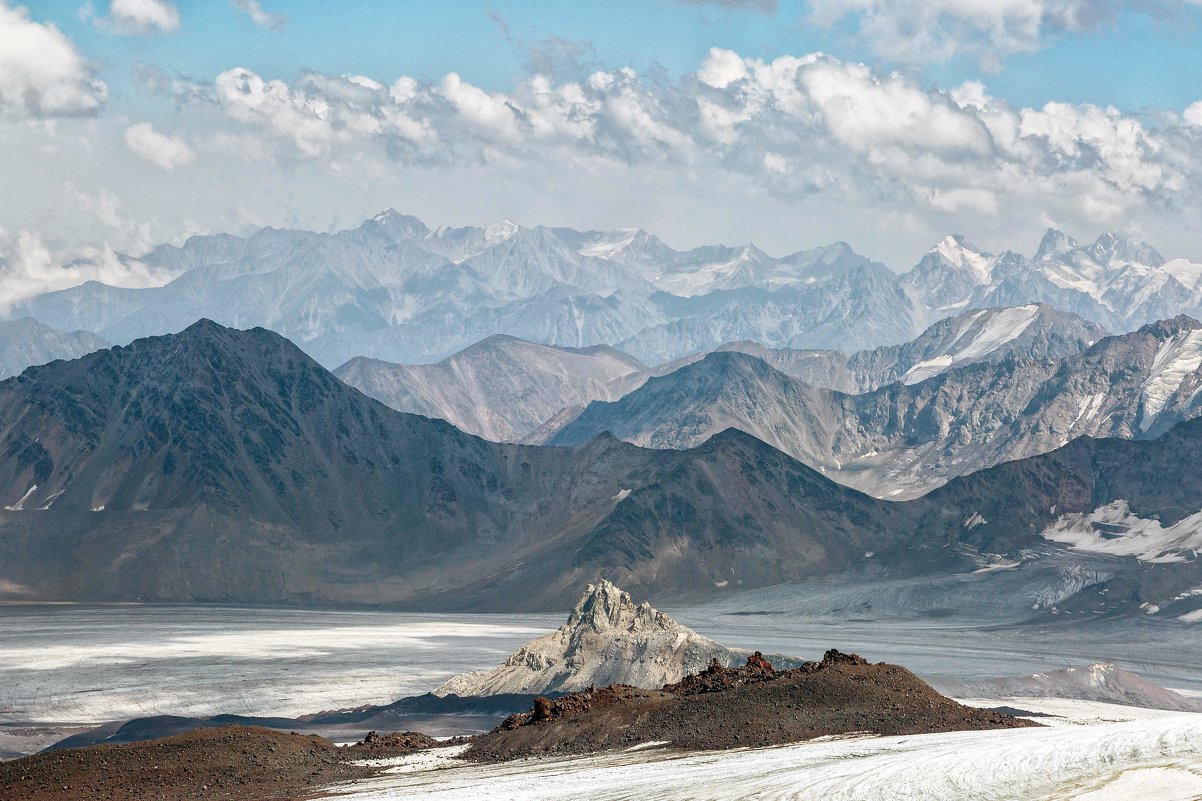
884	123
1133	62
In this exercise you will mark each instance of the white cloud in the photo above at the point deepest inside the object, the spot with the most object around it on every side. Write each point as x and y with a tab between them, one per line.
798	124
791	151
167	152
143	16
41	73
264	19
920	31
1193	114
722	68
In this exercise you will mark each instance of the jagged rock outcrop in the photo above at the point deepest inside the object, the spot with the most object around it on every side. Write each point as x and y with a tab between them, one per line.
608	639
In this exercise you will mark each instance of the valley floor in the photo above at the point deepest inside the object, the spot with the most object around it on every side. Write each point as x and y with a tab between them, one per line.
68	666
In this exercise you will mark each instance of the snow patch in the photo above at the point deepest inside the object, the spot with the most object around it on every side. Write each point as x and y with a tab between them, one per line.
1090	406
20	505
953	252
927	368
1112	529
53	497
607	249
975	520
1175	360
983	334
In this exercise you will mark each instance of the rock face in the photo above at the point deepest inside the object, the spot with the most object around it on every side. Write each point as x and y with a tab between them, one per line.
607	640
501	388
905	439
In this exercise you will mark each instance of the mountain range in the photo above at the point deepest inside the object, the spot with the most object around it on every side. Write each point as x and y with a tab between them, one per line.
225	465
395	290
500	388
905	438
503	388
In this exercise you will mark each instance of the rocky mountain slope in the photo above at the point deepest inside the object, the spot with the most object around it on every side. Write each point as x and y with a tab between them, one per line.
223	465
27	342
903	439
395	290
501	388
606	640
504	388
218	465
1035	331
982	335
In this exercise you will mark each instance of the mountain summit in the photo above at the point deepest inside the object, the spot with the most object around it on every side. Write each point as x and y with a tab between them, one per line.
607	640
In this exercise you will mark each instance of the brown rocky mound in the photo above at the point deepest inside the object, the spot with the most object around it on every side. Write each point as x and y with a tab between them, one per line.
239	762
399	742
753	705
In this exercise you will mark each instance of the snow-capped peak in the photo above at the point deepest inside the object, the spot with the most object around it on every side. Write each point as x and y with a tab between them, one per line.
1055	243
396	225
607	639
1109	248
959	253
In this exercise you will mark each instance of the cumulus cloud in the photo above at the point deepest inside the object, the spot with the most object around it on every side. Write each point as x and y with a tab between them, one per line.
167	152
263	19
1193	114
938	30
741	147
142	16
796	125
41	73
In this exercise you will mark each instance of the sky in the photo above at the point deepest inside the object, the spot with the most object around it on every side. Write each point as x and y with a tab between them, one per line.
883	123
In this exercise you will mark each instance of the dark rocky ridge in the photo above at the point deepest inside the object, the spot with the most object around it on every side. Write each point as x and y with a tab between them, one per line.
233	468
221	465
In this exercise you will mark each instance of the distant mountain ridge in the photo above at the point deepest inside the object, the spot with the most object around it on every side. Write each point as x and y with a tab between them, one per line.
26	342
904	439
392	289
503	388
